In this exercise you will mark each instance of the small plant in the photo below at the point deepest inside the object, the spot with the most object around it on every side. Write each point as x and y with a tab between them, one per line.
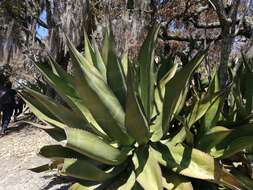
126	125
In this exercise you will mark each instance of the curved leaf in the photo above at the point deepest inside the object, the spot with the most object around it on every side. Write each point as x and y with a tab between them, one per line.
59	152
99	60
105	48
61	112
212	114
46	167
147	70
135	121
98	98
89	53
90	145
78	186
244	179
221	142
83	169
175	91
40	110
53	131
124	63
129	183
176	182
201	107
156	128
147	170
63	84
194	163
115	73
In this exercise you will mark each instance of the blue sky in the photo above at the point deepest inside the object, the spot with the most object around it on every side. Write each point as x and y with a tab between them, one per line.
42	32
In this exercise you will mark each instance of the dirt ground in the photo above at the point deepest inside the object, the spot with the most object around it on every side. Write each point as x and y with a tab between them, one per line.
18	153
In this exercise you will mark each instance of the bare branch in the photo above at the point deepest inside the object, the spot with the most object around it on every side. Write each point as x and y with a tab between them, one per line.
206	26
220	10
42	23
189	39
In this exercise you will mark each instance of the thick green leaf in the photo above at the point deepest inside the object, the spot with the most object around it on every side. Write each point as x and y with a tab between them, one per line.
244	179
57	69
222	142
212	114
61	112
167	65
201	107
174	181
124	63
137	186
99	60
41	168
83	169
129	183
89	53
147	169
212	137
62	82
135	121
64	87
59	152
240	111
40	110
115	73
90	145
78	186
46	167
199	185
105	48
176	90
248	90
98	98
179	137
238	145
194	163
53	131
147	70
56	133
156	128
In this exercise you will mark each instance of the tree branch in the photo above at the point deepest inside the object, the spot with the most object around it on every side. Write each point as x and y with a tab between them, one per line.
42	23
220	10
206	26
189	39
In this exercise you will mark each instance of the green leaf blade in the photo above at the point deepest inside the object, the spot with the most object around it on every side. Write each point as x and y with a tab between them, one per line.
90	145
176	88
147	70
135	120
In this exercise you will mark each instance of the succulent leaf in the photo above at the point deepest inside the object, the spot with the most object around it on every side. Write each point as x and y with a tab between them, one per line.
115	74
76	168
147	70
135	120
176	88
147	170
93	147
99	99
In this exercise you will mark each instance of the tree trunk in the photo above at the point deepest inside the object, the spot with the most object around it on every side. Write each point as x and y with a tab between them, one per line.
226	47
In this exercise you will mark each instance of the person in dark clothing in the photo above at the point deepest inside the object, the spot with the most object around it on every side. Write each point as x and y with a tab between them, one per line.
7	101
19	105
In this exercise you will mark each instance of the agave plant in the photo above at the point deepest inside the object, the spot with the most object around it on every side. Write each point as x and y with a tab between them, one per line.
124	125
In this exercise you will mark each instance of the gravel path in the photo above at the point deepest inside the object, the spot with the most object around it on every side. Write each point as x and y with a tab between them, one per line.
18	153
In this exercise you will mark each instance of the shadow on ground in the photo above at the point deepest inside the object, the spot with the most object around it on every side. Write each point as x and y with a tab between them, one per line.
56	181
